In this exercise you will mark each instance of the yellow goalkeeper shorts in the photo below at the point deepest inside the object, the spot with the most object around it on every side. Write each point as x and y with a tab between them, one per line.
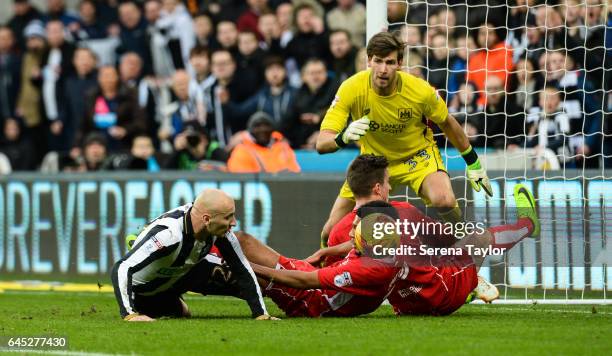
411	172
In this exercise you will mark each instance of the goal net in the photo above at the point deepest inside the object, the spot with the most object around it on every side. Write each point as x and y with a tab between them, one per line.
529	81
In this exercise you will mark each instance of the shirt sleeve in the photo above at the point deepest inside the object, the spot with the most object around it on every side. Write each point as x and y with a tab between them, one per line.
157	243
353	277
435	108
339	111
229	246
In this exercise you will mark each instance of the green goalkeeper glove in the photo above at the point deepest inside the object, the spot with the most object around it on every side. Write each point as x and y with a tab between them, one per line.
476	174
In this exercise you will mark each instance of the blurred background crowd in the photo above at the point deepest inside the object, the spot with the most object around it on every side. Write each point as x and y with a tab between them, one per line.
238	85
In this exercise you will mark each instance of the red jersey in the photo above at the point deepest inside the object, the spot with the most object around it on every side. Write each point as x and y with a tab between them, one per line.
340	231
354	286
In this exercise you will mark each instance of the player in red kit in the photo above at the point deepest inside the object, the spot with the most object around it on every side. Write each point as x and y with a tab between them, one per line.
354	286
439	285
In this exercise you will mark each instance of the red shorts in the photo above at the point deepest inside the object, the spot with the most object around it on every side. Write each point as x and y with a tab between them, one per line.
298	302
434	291
459	283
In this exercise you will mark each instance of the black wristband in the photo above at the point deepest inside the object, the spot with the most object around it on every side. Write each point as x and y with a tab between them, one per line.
339	141
470	156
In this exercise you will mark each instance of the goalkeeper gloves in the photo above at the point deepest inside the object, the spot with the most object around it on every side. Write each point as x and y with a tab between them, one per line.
353	132
476	174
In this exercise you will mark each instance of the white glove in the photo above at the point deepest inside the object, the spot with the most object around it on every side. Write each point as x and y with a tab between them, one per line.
478	178
356	130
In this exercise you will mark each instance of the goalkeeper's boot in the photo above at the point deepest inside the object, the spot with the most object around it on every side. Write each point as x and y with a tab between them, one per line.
129	241
485	291
526	207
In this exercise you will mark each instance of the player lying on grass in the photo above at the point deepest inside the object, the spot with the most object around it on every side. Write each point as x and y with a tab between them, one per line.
353	286
368	179
170	257
390	112
424	284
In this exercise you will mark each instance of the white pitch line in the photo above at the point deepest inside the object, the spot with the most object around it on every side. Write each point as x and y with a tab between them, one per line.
61	352
553	310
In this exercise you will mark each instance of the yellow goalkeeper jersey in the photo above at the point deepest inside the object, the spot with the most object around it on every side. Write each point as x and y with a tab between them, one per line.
398	122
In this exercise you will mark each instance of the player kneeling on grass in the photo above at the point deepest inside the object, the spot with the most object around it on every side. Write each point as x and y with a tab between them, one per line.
437	282
170	257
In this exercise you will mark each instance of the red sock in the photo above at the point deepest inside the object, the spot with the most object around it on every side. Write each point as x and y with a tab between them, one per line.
506	236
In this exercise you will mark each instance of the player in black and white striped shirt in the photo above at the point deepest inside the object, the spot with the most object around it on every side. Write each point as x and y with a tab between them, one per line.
170	257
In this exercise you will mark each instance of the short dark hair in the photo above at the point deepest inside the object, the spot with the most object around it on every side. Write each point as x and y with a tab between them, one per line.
341	30
273	60
384	43
364	172
199	50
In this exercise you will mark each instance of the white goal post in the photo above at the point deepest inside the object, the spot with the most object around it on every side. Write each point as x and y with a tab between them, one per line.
571	263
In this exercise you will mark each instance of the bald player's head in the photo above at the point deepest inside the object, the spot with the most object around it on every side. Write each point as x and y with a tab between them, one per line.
213	212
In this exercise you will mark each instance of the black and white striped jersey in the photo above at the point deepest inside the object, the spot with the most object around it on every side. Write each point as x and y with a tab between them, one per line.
166	250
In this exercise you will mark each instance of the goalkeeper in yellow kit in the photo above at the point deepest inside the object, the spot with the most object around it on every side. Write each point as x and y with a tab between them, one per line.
389	110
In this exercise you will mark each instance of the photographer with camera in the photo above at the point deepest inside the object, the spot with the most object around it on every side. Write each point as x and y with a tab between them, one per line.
193	150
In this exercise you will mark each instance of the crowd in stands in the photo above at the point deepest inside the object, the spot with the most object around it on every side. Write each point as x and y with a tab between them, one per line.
238	85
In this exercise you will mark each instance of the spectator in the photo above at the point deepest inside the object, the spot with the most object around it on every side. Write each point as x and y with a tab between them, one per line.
465	109
411	35
112	111
133	35
343	54
349	15
284	15
24	14
501	125
548	126
190	107
141	156
361	60
584	111
248	19
56	10
143	150
10	63
249	63
130	74
177	25
88	27
270	31
200	64
227	37
554	33
83	81
525	96
194	150
572	13
29	102
95	148
262	150
275	98
203	30
310	39
17	146
152	11
57	66
437	67
458	64
301	125
494	58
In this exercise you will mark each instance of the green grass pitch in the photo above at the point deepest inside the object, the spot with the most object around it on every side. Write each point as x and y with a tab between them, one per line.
221	326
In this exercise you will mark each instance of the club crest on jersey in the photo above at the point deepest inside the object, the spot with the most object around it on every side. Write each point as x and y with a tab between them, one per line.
343	280
404	114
